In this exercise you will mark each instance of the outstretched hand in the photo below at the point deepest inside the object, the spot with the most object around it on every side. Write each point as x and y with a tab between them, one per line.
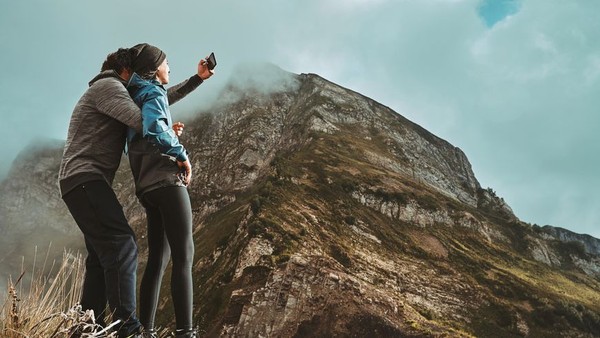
203	70
185	171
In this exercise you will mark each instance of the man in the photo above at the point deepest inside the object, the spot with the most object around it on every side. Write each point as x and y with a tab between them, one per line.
92	154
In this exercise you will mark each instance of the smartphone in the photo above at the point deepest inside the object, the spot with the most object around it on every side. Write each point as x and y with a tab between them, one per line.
212	62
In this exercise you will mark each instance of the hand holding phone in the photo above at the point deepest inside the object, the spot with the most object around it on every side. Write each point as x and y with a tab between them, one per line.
211	61
206	66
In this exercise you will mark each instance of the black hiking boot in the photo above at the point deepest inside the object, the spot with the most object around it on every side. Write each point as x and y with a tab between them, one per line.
151	333
189	333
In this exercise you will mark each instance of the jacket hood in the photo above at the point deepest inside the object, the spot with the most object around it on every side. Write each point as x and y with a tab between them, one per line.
105	74
136	81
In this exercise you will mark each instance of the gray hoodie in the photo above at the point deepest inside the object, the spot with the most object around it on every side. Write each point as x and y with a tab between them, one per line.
98	129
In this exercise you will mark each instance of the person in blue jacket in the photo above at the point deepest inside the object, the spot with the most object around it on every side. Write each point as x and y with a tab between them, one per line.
162	171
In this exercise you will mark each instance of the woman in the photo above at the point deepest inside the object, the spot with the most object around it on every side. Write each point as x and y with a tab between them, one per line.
161	170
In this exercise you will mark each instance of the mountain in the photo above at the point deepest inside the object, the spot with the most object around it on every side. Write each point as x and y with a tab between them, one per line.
320	212
35	226
590	244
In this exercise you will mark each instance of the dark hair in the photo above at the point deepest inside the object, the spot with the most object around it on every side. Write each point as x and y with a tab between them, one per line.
119	60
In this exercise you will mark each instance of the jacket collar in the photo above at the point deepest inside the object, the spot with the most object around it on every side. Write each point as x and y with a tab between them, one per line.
105	74
137	81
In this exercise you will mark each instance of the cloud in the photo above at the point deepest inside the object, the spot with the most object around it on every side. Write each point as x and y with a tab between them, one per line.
254	77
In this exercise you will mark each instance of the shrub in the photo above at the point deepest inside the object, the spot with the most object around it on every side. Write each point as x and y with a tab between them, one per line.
350	220
342	257
255	205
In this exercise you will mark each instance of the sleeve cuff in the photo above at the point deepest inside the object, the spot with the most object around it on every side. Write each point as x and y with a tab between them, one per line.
182	157
195	80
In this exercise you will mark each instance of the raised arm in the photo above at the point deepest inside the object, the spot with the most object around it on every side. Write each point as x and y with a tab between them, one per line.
180	90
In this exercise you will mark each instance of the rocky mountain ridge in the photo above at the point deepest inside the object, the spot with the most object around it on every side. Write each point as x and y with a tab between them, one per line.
591	244
320	212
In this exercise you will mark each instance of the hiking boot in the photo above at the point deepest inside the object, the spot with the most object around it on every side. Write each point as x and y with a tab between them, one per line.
189	333
149	334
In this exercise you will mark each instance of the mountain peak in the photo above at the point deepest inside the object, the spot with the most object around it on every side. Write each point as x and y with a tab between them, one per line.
318	211
261	77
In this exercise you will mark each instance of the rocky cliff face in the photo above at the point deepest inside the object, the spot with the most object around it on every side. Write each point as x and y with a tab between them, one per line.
589	243
320	212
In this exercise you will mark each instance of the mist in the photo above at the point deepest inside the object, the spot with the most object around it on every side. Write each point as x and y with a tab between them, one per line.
514	87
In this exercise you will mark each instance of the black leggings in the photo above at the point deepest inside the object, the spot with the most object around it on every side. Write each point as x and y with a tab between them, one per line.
169	215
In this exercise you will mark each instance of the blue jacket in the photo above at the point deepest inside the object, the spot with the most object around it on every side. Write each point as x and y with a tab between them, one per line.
157	125
153	153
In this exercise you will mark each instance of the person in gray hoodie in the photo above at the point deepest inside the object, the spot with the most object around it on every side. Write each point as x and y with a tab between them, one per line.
91	157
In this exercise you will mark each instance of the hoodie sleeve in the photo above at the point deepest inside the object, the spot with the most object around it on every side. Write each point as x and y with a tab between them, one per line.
180	90
112	99
156	126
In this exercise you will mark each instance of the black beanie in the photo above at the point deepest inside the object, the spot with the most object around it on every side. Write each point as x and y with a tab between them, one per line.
146	59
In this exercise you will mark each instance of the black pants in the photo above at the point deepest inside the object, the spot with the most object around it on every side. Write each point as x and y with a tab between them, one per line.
111	263
169	214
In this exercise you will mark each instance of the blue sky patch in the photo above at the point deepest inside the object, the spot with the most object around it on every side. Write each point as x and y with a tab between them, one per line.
493	11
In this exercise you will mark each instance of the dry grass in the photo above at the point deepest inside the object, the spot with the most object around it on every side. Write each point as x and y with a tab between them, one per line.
50	307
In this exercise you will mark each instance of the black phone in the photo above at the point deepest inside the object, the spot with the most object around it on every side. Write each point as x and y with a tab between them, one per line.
212	61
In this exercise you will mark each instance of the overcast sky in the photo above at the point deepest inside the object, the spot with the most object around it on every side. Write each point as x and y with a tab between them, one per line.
514	83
